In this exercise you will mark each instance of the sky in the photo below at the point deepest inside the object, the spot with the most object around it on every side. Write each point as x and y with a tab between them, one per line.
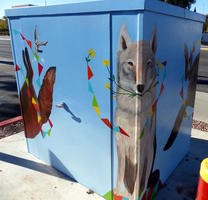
201	5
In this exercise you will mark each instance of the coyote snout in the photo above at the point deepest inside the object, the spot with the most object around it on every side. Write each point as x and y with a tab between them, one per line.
136	74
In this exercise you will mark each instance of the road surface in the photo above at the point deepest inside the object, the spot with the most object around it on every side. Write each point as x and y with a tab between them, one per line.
9	102
5	49
202	84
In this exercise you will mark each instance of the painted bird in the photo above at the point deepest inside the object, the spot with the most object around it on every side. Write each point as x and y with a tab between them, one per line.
39	44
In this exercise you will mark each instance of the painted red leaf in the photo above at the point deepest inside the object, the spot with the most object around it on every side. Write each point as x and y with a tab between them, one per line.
90	74
41	132
123	132
22	36
154	105
181	93
117	197
51	125
29	43
40	68
17	68
161	89
107	122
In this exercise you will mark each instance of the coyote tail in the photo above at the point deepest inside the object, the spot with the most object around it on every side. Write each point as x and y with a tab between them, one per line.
176	128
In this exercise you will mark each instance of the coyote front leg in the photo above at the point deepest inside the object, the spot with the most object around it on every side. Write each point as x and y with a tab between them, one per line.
121	167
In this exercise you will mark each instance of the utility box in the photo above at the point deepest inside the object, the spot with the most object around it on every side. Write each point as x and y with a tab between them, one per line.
107	90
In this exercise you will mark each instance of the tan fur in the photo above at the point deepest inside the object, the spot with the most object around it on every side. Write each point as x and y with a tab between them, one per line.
135	66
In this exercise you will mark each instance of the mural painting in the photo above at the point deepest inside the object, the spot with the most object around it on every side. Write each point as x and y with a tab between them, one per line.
136	103
106	63
190	76
136	72
36	109
135	88
136	106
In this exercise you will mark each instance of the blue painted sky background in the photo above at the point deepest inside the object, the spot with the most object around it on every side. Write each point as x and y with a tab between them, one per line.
201	5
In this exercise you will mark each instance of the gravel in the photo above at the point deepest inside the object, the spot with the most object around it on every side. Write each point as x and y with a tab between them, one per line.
11	129
202	126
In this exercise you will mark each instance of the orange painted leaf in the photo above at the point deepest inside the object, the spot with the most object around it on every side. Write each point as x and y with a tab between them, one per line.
107	122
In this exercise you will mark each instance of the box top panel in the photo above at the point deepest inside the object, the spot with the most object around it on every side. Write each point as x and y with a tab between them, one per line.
105	6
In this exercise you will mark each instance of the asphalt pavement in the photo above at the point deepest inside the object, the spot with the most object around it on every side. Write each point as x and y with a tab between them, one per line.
202	83
9	101
5	49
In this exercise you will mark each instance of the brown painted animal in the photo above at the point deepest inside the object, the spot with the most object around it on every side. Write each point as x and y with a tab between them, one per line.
136	72
44	99
191	76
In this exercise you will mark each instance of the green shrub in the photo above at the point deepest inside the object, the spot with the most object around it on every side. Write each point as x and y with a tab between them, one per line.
4	30
205	27
182	3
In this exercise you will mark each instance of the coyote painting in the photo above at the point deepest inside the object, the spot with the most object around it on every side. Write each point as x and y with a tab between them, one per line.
136	72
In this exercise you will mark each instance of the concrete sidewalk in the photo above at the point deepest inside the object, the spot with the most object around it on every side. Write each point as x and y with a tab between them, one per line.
5	37
182	184
204	47
201	107
24	177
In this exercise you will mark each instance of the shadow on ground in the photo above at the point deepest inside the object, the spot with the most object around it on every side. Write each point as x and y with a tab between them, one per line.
7	62
43	168
182	184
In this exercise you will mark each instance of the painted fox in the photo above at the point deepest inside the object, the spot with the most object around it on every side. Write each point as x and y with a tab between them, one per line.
191	77
44	99
136	72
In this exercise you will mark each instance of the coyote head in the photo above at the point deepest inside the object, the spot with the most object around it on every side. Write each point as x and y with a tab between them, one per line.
136	71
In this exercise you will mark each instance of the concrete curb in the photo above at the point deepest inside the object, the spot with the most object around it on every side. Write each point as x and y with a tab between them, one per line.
24	176
10	121
204	48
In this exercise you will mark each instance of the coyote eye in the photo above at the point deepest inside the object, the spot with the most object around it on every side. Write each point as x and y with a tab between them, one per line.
131	63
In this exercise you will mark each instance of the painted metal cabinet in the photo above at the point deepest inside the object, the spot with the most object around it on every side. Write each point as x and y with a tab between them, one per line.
107	90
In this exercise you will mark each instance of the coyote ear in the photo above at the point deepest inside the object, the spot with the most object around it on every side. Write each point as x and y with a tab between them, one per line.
153	41
124	39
